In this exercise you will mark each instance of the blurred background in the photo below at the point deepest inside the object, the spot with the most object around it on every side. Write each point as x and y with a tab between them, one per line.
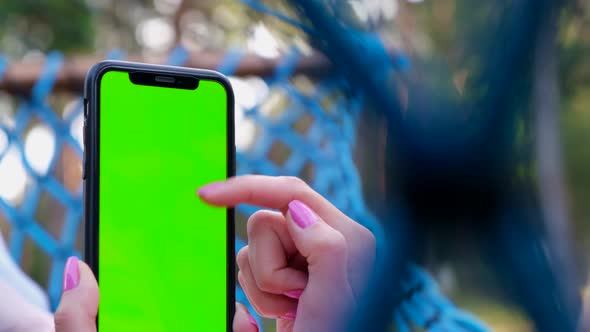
297	113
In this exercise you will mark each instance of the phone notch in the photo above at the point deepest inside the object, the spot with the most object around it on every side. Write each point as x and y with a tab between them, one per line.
167	81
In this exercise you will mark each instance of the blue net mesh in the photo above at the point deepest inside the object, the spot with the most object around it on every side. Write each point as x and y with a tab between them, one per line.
315	130
22	218
325	144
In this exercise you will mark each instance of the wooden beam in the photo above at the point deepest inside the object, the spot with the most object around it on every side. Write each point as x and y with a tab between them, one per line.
20	77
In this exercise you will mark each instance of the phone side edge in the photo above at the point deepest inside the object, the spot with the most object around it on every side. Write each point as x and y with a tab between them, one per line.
231	171
91	162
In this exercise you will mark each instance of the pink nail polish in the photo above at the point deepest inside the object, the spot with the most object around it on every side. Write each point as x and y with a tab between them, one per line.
209	188
294	294
253	322
71	274
302	214
289	316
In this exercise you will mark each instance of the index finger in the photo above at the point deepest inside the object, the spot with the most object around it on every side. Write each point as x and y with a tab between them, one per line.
272	192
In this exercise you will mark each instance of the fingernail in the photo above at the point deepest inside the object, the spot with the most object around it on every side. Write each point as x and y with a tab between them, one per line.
253	321
209	188
71	274
289	316
294	294
302	214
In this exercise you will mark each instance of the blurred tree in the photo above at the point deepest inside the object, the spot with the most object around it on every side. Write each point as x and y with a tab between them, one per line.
25	25
574	80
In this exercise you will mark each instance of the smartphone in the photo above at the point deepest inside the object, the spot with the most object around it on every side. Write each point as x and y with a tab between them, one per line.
153	134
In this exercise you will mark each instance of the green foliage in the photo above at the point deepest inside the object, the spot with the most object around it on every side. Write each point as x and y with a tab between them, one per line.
66	25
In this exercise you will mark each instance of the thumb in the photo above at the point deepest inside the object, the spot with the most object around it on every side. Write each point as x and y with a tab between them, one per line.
324	248
79	301
327	299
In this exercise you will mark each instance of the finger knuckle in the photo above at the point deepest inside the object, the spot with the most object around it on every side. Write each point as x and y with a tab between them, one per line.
295	183
366	236
267	282
242	281
332	242
257	221
63	316
242	257
249	294
258	303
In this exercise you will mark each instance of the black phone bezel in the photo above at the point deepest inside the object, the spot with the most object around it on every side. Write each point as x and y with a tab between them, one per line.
91	158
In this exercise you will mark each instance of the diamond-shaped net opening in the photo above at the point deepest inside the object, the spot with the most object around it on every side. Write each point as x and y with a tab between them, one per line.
291	124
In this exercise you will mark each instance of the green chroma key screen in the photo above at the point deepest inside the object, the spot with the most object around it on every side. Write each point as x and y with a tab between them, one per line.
162	252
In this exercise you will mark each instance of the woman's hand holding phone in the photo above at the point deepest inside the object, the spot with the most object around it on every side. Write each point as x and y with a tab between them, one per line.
79	303
305	265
